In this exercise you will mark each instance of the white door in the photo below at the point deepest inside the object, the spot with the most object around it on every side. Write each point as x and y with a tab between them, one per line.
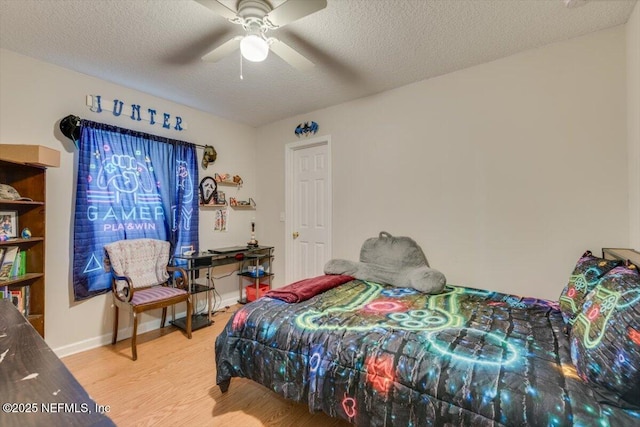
308	208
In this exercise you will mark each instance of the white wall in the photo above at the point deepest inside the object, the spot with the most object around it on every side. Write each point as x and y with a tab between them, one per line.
35	96
504	172
633	123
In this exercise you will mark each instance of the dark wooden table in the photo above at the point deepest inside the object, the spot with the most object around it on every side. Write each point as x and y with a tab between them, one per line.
36	388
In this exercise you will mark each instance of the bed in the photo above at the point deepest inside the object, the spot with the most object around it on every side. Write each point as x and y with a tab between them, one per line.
379	355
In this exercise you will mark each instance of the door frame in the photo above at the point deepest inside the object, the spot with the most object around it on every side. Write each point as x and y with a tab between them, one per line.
289	150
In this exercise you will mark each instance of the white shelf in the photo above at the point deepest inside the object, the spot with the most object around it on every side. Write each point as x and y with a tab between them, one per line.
228	184
213	206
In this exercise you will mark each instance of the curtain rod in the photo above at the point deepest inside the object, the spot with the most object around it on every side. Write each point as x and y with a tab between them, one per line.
70	127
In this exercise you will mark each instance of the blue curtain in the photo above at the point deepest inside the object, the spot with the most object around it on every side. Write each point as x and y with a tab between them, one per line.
130	185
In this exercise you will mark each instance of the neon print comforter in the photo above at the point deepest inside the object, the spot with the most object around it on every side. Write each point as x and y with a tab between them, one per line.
377	355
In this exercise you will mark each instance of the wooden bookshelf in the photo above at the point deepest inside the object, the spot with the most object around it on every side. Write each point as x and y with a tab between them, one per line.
29	179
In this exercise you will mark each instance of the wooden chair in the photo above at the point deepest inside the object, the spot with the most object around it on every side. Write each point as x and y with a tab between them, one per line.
141	280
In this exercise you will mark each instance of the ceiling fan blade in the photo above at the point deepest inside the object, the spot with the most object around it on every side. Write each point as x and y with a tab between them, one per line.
293	10
290	56
218	8
223	50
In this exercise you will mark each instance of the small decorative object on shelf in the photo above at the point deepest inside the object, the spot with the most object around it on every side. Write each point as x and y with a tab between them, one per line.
253	242
247	204
228	179
220	199
223	177
26	233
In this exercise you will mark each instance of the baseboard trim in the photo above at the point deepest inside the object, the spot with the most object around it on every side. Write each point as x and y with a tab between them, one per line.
91	343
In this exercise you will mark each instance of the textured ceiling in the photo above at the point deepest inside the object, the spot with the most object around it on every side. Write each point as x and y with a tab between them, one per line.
360	47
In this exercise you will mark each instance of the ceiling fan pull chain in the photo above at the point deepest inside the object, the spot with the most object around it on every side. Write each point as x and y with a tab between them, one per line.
241	76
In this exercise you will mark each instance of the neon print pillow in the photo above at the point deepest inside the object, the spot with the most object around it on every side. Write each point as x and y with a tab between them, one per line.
584	278
605	339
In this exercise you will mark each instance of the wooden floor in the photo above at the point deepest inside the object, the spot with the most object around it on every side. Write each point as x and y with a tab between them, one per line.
173	383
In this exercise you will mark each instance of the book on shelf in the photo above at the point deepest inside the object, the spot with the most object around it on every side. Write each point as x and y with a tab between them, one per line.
16	299
20	264
9	259
16	266
4	292
23	263
26	292
20	298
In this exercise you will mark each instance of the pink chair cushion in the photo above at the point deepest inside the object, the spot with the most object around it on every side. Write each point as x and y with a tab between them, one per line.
157	293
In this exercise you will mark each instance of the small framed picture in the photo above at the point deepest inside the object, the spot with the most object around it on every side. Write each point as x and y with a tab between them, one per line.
221	198
9	224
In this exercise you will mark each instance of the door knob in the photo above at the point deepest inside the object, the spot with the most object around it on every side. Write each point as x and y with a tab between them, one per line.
296	234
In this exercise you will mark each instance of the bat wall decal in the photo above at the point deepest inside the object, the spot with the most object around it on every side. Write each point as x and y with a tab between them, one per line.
306	129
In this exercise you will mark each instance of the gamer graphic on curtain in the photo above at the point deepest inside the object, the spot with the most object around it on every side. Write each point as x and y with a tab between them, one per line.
130	185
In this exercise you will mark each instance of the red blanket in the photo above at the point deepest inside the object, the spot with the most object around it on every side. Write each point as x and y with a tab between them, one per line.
304	289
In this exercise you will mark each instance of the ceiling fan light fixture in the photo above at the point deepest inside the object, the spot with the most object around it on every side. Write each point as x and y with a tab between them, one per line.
254	48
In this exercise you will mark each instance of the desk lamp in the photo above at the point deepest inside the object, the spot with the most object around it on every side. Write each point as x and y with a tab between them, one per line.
253	242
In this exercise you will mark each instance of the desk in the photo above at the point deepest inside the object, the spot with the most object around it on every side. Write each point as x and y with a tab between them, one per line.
53	395
205	262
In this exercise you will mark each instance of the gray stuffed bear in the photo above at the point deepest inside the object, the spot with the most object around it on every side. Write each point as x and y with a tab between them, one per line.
397	261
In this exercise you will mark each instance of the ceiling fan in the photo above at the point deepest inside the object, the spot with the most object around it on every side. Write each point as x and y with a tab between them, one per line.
257	17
